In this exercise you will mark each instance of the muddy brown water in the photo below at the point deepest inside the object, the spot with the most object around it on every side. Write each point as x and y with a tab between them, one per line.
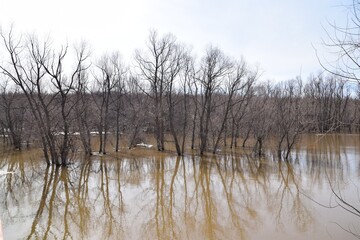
143	194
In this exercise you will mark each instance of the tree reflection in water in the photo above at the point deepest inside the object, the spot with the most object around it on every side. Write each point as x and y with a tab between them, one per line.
224	196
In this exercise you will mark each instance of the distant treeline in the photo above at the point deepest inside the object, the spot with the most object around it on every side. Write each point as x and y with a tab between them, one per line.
202	104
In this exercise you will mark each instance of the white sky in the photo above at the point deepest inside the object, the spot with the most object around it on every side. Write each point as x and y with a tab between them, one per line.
277	35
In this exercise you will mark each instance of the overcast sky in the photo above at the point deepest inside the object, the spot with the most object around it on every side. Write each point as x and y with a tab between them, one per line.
277	35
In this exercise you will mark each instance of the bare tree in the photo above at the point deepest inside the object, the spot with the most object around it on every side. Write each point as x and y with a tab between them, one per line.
343	42
289	122
118	96
237	89
262	110
177	98
194	90
188	76
82	99
64	86
12	111
158	66
327	99
215	66
111	73
240	110
28	74
38	70
136	112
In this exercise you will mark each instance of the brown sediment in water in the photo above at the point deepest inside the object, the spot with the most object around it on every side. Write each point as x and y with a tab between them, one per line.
145	194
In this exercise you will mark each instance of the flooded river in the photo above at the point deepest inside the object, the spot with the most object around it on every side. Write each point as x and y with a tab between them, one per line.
143	194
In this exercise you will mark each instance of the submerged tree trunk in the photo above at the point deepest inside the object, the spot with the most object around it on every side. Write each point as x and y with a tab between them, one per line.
172	127
117	143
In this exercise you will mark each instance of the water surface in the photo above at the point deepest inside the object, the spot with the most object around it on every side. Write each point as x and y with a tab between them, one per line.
143	194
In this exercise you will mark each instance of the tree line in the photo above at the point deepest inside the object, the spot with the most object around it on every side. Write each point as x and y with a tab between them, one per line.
58	97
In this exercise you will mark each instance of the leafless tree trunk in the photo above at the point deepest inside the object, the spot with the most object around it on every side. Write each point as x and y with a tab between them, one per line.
12	112
83	116
119	91
288	116
82	98
110	74
189	73
38	71
194	97
215	66
28	77
136	112
175	65
155	67
238	82
262	114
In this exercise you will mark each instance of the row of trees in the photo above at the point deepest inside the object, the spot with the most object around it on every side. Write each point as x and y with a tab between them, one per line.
58	99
